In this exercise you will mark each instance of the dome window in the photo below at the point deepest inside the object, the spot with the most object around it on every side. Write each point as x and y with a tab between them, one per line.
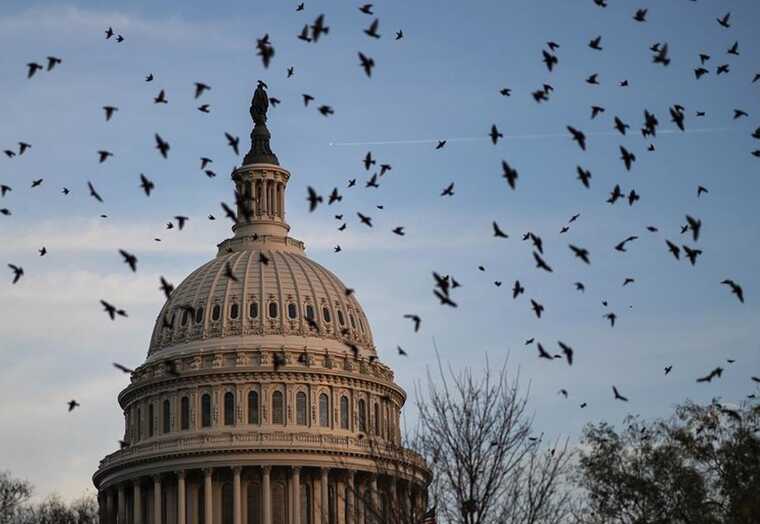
326	315
199	315
341	318
301	408
253	310
184	418
206	410
167	416
151	426
324	410
344	412
351	318
361	325
185	317
216	313
253	407
229	409
278	408
234	311
291	311
273	310
309	312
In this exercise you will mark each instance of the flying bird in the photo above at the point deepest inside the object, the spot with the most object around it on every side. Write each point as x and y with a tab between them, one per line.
112	310
509	173
415	319
200	88
578	136
736	289
494	134
161	98
18	272
314	199
129	259
366	63
233	142
72	405
371	31
617	395
162	146
497	232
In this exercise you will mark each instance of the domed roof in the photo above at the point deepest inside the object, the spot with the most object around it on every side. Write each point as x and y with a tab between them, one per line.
268	300
261	291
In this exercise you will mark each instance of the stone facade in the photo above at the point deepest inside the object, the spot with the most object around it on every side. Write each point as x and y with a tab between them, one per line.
262	400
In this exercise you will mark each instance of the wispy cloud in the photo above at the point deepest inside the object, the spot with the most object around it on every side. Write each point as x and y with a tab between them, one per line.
77	23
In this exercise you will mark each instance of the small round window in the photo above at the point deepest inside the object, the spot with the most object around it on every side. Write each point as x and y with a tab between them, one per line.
253	310
234	311
341	318
326	315
291	311
216	312
309	311
199	315
273	310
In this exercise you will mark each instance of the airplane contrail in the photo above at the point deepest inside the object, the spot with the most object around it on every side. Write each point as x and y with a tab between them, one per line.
535	136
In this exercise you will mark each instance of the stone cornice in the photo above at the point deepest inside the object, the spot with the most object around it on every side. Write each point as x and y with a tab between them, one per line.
257	448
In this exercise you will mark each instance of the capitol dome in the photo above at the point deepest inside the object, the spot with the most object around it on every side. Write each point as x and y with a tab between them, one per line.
262	400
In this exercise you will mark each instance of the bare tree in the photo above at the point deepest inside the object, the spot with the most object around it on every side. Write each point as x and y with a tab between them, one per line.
476	433
13	494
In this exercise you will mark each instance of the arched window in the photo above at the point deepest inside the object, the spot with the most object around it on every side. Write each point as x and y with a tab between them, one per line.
324	411
341	318
234	311
326	315
361	324
344	412
277	408
351	319
167	416
280	503
151	429
301	408
362	415
309	311
253	310
377	419
206	410
184	416
185	317
253	407
199	315
273	310
139	424
291	311
229	409
332	506
216	312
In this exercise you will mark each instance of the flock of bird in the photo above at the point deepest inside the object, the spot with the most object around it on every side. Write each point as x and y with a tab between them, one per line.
444	285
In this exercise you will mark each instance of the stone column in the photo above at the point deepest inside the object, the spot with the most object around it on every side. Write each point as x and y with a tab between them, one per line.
266	495
351	517
395	508
324	492
157	500
237	516
296	495
137	516
181	503
208	509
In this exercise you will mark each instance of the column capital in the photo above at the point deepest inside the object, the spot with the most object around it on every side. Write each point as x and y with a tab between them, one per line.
137	482
324	470
296	469
208	471
237	470
267	469
181	474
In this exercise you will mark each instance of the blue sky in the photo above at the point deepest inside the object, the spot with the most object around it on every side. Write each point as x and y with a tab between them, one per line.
442	80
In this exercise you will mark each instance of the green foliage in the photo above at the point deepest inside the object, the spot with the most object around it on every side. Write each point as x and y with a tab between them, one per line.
702	467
